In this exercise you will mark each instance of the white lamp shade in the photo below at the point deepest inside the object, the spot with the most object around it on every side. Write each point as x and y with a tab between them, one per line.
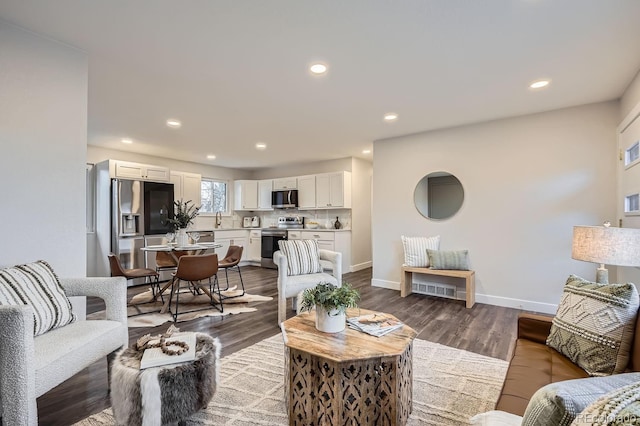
605	245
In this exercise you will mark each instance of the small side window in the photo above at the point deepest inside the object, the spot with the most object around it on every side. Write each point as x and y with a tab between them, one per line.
632	154
632	204
214	196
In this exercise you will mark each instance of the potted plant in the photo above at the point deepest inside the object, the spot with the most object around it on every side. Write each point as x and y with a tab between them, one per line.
331	303
183	217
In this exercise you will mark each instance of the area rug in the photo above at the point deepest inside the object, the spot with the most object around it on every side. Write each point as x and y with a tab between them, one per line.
449	386
144	314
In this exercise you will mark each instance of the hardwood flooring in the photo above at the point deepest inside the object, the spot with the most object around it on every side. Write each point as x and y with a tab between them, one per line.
484	329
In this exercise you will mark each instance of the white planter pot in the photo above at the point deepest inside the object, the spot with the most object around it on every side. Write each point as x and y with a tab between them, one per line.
182	238
330	322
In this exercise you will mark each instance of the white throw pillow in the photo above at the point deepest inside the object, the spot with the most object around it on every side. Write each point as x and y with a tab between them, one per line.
302	256
35	284
415	250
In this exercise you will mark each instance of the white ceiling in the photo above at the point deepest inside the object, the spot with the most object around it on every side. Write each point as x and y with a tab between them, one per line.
235	71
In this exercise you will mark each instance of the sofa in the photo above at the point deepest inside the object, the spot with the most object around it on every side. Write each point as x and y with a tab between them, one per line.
534	364
31	366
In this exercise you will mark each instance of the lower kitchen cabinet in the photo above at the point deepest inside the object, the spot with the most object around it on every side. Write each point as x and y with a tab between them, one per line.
331	240
254	251
232	238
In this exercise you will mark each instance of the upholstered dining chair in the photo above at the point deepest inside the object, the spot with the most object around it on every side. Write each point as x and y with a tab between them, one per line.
130	274
289	286
232	260
194	269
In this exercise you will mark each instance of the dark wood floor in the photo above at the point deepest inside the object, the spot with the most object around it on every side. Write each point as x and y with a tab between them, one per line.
484	329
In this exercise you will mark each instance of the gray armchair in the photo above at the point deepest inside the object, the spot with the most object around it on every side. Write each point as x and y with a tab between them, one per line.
31	366
291	285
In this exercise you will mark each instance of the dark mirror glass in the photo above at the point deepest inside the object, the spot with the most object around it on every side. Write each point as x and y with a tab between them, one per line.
438	195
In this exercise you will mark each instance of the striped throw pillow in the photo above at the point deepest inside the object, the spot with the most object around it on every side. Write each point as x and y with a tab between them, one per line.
302	256
415	250
35	284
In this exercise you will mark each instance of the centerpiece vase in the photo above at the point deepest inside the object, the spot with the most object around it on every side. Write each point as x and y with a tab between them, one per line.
332	321
182	238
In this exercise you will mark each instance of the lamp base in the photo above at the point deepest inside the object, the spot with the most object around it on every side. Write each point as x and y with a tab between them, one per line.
602	275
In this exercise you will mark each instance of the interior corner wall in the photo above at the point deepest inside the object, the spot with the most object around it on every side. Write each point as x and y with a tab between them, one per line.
527	181
630	98
326	166
43	135
361	213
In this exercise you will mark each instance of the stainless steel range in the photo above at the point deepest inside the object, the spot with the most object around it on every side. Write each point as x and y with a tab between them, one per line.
271	236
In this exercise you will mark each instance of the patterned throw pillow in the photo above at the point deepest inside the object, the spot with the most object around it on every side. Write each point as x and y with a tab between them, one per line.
441	259
302	256
415	250
594	325
560	403
617	408
35	284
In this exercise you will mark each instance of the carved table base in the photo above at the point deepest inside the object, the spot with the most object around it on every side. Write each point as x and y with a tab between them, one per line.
373	391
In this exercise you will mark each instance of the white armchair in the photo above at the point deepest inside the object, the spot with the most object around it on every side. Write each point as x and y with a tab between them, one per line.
291	285
31	366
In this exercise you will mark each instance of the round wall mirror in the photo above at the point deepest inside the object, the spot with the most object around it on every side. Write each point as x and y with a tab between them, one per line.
438	195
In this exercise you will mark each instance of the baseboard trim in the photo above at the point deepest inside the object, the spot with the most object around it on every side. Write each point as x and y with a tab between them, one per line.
385	284
506	302
361	266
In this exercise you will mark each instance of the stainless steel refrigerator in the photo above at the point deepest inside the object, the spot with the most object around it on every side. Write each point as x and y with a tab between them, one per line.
137	209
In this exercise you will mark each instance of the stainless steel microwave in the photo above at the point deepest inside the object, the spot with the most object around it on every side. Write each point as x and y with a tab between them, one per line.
286	199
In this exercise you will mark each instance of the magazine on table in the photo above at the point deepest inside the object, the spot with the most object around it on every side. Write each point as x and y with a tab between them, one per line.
154	357
377	324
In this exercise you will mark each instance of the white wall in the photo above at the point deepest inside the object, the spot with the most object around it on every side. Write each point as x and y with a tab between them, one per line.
527	180
303	169
362	172
43	135
630	98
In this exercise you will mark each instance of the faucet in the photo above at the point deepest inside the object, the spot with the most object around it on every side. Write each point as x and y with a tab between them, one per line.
218	219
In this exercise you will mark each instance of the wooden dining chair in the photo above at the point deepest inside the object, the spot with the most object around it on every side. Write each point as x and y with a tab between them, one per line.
194	269
149	275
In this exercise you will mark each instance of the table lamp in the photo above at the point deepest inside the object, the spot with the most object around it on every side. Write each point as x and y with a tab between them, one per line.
606	246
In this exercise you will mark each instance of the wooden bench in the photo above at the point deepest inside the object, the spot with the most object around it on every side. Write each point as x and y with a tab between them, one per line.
406	287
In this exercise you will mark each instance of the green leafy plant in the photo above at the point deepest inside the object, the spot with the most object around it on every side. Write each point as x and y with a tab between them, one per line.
184	214
330	297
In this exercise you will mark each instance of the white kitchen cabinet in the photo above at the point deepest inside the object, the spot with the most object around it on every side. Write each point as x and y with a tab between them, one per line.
285	183
128	170
307	192
333	190
246	194
232	238
254	251
186	186
265	187
331	240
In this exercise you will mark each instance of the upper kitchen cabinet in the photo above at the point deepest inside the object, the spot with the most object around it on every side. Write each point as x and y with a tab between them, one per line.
264	194
246	195
137	171
186	186
333	190
285	183
307	192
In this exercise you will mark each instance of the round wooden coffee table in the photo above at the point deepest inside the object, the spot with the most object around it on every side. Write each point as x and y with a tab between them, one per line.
349	377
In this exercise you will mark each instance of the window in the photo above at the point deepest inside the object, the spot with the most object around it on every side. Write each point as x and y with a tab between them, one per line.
633	154
632	204
213	196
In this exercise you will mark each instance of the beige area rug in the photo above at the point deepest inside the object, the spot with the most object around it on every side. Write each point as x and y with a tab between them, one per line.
143	314
449	387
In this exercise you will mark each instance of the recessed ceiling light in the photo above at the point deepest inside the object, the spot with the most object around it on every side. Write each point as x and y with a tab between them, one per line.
539	84
211	157
126	140
366	151
318	68
173	123
261	145
390	116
